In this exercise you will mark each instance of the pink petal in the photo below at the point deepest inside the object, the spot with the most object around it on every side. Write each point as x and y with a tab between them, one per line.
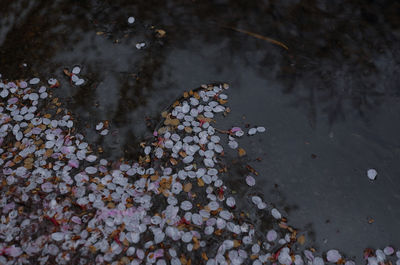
159	253
13	251
76	220
8	207
235	129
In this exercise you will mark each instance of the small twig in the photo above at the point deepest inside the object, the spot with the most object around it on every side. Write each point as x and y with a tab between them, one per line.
222	131
258	36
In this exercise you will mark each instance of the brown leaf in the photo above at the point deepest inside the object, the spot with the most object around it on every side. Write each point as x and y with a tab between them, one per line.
160	33
49	152
218	232
241	151
301	239
200	182
125	242
27	130
67	72
92	249
154	177
17	159
173	122
252	170
183	260
187	187
222	101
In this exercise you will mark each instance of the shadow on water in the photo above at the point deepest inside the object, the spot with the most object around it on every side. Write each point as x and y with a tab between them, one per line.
342	56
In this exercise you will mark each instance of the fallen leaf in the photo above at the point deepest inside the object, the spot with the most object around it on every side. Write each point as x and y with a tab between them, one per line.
241	151
160	33
173	161
200	182
187	187
301	239
67	72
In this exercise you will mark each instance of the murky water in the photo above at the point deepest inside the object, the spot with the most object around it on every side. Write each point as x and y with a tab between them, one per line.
330	101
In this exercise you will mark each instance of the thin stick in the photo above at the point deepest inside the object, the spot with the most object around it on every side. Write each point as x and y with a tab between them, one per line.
258	36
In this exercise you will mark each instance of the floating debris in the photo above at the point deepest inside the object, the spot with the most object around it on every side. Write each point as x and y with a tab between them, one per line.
333	256
173	206
131	20
99	126
250	181
371	173
76	70
74	76
140	45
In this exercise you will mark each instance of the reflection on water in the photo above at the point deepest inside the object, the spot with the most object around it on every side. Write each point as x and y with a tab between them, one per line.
342	57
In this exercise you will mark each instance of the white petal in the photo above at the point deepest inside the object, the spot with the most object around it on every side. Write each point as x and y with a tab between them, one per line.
260	129
252	131
99	126
34	81
333	255
76	70
58	236
79	82
131	20
276	214
371	173
272	235
250	181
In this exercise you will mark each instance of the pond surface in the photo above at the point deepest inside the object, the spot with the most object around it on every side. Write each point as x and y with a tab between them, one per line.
327	90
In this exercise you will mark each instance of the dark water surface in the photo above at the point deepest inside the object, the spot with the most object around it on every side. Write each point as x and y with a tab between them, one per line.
331	101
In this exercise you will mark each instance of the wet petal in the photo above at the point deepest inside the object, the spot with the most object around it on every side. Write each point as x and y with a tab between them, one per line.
131	20
333	256
371	173
250	181
272	235
252	131
388	250
13	251
76	70
58	236
34	81
276	214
